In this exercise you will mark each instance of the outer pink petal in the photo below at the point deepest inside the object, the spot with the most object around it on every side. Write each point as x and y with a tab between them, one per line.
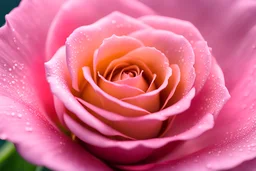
234	130
83	42
186	29
246	166
24	91
225	24
229	28
25	126
84	12
22	53
130	151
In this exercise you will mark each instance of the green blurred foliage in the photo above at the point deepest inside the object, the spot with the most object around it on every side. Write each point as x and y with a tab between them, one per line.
5	7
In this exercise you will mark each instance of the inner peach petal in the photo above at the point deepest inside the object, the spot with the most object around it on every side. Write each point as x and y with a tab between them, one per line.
108	51
173	82
154	59
92	93
178	51
129	71
118	90
83	42
137	81
126	62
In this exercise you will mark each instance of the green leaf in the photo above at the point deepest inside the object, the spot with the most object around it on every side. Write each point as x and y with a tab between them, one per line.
10	160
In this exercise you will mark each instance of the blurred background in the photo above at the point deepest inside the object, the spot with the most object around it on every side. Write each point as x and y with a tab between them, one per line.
5	7
10	160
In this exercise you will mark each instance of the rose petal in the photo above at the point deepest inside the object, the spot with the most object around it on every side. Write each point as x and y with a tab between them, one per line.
186	29
226	25
178	51
173	82
25	94
162	115
158	64
108	51
118	90
59	80
73	15
137	81
145	128
83	42
129	151
32	129
21	54
209	101
95	95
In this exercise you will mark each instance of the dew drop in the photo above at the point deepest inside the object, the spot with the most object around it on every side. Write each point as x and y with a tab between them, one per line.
113	21
28	129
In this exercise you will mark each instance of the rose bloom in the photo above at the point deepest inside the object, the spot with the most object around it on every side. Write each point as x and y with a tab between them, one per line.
130	85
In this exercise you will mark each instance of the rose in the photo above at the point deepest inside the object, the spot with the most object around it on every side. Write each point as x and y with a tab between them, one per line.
29	118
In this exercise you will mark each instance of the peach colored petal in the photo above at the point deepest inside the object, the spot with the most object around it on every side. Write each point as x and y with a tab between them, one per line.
158	64
126	71
83	42
98	97
137	81
147	73
59	80
108	51
189	31
146	127
173	82
162	115
118	90
178	51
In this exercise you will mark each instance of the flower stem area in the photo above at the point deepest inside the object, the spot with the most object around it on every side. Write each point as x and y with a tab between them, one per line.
10	159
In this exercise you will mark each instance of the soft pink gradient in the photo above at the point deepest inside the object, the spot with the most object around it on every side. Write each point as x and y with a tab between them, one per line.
203	131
